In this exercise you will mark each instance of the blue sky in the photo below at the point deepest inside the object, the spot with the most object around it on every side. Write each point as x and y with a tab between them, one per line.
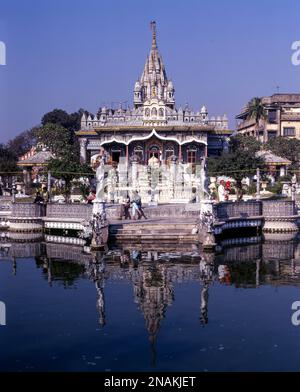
81	53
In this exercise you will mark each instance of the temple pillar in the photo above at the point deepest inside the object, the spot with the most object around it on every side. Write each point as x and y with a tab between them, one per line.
173	173
180	153
83	143
127	156
134	173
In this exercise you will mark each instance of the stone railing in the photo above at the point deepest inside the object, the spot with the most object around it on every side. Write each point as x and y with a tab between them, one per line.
272	208
70	211
5	204
255	208
243	209
27	210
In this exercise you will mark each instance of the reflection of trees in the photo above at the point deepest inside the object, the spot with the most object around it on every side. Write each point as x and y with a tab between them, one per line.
54	270
243	274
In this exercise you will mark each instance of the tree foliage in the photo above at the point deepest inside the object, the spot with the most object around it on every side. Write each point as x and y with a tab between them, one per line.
67	167
58	131
242	143
8	162
286	148
55	137
62	118
256	109
239	162
22	143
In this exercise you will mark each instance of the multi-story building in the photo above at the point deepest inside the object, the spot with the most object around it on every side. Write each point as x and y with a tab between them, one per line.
282	118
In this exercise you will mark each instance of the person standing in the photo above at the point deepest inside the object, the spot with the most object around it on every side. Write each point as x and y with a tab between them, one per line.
38	198
221	191
45	195
126	207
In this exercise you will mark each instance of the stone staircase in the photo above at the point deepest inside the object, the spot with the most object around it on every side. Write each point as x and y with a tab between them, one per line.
155	231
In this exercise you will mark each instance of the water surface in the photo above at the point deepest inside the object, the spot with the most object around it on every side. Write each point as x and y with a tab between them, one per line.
139	310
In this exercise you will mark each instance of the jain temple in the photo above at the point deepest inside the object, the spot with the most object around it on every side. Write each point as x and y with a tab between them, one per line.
154	132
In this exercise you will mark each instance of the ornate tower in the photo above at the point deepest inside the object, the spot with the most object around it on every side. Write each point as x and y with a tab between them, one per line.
154	84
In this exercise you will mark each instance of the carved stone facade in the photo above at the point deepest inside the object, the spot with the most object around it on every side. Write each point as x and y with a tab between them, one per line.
153	131
154	127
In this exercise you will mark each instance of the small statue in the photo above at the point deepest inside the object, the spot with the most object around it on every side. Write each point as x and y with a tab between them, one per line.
98	162
221	192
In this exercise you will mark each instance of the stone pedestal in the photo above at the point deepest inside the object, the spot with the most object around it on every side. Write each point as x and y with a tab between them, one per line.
206	230
99	226
98	207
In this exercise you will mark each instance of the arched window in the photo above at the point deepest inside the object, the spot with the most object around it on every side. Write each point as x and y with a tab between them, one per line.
191	153
139	151
169	151
147	112
161	112
154	112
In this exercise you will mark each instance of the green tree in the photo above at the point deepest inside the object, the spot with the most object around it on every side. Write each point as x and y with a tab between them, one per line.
238	163
8	162
55	137
22	143
67	167
256	112
244	143
286	148
61	117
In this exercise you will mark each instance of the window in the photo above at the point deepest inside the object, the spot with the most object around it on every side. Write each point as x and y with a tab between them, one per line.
161	112
154	112
115	156
290	131
139	151
169	152
272	134
272	116
192	154
147	112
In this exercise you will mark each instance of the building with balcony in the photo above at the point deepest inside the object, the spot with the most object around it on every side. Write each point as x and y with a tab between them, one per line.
282	118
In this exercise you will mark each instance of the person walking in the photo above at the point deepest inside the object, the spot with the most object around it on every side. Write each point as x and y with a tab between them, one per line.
135	209
138	202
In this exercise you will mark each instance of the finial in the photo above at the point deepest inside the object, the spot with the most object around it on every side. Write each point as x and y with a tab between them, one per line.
153	28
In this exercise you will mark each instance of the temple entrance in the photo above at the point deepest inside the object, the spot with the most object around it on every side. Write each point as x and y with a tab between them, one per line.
154	151
115	156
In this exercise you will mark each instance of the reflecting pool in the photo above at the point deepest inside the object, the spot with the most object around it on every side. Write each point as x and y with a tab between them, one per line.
146	308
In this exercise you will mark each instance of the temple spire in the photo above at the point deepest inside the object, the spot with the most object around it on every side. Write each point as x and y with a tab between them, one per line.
153	28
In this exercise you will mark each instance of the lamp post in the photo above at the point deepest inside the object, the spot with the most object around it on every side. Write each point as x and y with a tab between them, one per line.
294	183
257	184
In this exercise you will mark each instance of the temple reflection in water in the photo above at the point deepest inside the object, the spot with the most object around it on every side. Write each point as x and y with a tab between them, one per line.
154	273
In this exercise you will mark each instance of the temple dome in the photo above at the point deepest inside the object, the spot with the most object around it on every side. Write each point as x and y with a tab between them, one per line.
137	86
203	110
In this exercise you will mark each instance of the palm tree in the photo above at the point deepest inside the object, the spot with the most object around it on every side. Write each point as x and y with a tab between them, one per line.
257	112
